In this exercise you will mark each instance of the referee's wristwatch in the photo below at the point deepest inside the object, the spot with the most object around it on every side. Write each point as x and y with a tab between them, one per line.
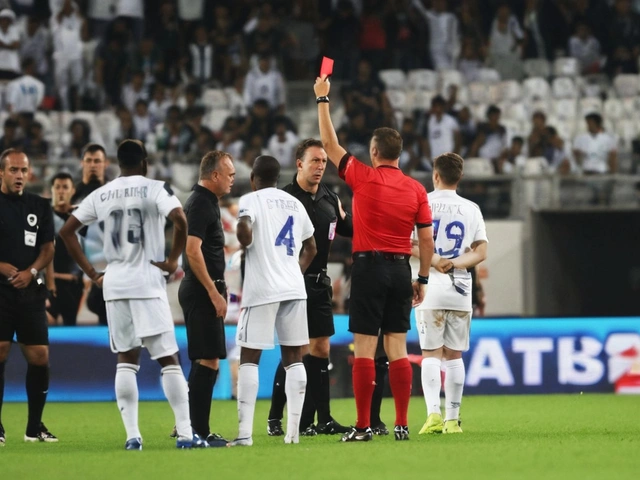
33	272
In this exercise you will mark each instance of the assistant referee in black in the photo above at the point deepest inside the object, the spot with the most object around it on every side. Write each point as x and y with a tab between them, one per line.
203	293
328	218
26	248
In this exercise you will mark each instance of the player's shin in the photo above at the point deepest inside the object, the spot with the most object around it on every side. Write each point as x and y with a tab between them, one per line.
127	397
453	386
431	384
295	387
247	394
175	389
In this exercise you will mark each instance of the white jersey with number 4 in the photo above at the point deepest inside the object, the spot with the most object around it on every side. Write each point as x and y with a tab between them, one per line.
134	211
280	224
457	224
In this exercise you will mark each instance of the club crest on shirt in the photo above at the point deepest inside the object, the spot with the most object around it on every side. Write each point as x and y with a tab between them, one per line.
32	219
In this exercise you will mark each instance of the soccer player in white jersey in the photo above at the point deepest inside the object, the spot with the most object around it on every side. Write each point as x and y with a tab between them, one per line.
444	318
277	235
134	211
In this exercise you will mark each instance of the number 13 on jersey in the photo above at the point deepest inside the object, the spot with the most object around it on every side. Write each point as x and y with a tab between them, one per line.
285	237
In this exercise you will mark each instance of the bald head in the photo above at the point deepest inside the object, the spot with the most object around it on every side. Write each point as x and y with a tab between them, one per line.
266	171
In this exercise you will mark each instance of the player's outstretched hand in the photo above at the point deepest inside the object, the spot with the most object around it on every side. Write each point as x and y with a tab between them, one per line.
444	265
219	303
168	266
322	86
419	291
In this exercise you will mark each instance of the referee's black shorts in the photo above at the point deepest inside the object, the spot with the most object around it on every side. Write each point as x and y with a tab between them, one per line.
205	330
22	312
319	305
381	293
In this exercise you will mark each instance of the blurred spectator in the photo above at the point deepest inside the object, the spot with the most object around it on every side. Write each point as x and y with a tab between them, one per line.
35	146
134	91
303	49
100	14
190	10
282	144
596	150
169	41
265	82
142	120
148	59
169	137
469	63
467	126
9	46
534	27
441	131
585	48
374	29
621	61
537	141
258	121
559	153
192	94
66	28
36	43
201	57
227	46
444	41
204	143
111	66
235	94
25	93
126	128
159	104
342	28
366	93
491	137
133	12
80	136
230	142
191	129
10	135
512	158
624	28
505	44
470	22
412	156
358	131
261	35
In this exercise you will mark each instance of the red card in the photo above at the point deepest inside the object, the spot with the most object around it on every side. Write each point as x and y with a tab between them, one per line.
326	69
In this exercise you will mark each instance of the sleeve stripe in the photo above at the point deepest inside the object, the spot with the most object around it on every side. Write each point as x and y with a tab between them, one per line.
424	225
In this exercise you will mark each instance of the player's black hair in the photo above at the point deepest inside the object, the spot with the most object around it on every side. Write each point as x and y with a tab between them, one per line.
267	169
131	153
61	176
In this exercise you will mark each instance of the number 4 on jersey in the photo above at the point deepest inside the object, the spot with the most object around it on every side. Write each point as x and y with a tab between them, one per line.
285	237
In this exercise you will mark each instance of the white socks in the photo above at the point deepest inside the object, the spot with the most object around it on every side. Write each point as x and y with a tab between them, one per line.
294	387
247	395
177	392
453	386
127	397
431	384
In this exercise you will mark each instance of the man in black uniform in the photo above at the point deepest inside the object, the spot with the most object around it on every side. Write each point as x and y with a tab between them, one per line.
26	248
202	293
63	274
328	218
94	163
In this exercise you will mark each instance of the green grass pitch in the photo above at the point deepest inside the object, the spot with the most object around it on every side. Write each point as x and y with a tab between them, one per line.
513	437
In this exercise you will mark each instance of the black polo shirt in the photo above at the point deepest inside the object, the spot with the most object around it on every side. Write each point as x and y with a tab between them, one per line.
62	261
26	223
84	189
203	219
324	212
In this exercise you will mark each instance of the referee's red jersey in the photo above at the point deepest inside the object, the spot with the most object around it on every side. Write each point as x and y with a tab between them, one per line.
387	205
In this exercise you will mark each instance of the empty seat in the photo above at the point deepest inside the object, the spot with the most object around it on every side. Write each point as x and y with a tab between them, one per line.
627	85
478	167
478	93
564	87
422	79
535	166
537	67
590	105
565	108
419	100
613	109
393	78
488	75
397	99
215	119
215	98
510	90
536	88
516	111
184	175
448	78
566	67
539	105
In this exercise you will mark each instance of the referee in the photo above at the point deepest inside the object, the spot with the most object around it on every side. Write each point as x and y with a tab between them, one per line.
328	218
203	293
26	248
387	205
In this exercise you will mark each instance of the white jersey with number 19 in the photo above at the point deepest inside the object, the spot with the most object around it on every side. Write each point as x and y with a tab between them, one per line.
134	211
280	224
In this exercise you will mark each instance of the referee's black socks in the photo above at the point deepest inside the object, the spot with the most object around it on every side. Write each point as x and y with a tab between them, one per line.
2	364
201	382
382	368
278	396
37	389
318	389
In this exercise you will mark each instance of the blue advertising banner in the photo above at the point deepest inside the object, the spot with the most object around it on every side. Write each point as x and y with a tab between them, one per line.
507	356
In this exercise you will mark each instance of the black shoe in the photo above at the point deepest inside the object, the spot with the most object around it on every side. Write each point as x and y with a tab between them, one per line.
310	431
332	428
215	440
357	435
380	429
401	432
2	439
42	435
174	433
274	428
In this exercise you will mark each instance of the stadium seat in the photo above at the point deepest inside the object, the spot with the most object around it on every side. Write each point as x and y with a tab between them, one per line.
215	98
215	119
565	108
590	105
564	87
422	79
627	85
515	127
448	78
184	175
510	90
478	167
397	99
566	67
537	67
535	166
565	128
613	109
478	93
419	100
539	105
479	112
516	111
628	130
536	88
394	79
488	75
44	120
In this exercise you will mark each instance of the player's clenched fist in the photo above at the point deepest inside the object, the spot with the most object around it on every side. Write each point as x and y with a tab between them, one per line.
322	86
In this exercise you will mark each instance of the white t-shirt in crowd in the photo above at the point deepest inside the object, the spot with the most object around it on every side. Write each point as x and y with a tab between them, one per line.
9	59
284	151
67	37
102	9
190	10
268	86
441	134
134	211
457	224
130	8
280	224
596	149
25	94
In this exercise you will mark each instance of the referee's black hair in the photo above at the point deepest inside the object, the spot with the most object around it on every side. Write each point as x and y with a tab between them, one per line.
267	169
131	153
61	176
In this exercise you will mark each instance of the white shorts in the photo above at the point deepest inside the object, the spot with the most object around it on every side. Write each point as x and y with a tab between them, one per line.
143	322
288	319
449	328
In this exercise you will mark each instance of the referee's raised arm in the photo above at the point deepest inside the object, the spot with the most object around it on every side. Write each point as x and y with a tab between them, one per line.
327	132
